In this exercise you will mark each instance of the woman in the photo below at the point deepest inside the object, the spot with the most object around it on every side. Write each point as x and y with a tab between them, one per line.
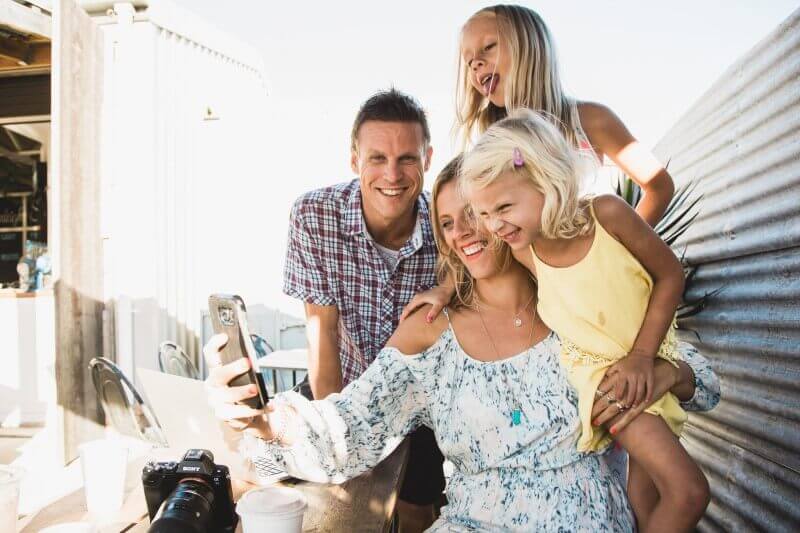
485	376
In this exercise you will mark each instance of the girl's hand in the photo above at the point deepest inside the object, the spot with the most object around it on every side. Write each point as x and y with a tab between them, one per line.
635	384
666	379
438	297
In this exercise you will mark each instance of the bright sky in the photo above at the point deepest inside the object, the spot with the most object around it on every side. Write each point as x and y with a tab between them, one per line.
648	61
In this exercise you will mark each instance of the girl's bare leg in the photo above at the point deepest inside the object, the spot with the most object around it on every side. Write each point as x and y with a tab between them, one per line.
642	494
683	492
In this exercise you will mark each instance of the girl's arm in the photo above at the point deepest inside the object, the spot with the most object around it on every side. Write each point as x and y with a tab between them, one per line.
609	136
437	297
668	281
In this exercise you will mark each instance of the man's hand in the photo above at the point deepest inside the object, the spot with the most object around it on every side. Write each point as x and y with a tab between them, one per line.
224	399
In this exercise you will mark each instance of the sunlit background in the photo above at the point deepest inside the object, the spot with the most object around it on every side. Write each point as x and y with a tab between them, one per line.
648	61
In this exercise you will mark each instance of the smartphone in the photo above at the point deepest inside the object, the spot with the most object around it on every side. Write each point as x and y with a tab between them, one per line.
229	316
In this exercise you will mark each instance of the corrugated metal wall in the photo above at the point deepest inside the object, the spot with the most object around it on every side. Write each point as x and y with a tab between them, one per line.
741	142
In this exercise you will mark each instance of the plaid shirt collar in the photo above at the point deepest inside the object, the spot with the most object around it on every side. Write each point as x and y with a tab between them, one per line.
354	219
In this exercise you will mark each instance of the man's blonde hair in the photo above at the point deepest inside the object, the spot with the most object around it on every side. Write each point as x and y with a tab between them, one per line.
533	81
553	166
448	262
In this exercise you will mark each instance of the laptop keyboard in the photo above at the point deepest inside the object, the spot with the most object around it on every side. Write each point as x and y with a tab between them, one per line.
265	467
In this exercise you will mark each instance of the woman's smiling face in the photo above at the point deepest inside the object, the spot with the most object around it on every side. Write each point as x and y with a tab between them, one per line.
463	235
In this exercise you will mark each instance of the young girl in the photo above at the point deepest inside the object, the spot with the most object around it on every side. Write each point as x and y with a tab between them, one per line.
608	285
508	61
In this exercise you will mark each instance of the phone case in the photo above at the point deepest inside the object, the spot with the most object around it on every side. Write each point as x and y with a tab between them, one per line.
229	316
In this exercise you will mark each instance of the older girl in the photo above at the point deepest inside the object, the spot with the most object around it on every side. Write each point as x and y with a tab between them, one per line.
508	61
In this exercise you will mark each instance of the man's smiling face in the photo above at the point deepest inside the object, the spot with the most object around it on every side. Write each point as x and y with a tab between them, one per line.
391	159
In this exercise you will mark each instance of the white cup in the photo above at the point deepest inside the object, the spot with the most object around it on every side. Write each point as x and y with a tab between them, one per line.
103	463
10	478
274	509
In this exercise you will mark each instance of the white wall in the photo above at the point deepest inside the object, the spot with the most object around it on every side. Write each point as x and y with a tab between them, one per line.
180	147
27	358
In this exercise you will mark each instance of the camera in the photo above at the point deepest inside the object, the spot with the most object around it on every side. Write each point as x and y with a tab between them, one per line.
192	496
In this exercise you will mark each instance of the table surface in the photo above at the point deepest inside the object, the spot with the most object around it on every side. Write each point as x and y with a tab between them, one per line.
364	503
285	359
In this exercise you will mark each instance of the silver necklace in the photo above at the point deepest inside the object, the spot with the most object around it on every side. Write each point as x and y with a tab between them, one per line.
516	412
517	319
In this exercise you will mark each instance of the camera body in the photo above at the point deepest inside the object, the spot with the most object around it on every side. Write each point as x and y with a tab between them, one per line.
193	495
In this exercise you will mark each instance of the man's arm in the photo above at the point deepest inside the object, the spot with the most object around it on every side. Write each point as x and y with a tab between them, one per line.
306	278
324	366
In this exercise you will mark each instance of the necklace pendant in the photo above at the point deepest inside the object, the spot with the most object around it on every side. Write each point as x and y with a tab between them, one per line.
518	322
516	417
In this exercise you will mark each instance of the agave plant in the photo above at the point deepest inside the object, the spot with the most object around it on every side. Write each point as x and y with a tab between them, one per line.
679	215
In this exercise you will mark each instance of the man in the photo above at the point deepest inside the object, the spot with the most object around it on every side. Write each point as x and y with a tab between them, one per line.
357	253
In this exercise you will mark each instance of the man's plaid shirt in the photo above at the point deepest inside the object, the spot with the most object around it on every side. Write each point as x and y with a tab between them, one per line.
331	260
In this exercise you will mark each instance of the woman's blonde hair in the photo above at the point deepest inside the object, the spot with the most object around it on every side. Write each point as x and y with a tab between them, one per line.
527	143
533	81
448	263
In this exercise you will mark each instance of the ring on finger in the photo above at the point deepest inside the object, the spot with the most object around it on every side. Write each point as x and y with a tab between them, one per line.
599	393
621	406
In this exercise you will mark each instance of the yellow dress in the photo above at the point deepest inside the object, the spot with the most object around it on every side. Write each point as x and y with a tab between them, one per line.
597	307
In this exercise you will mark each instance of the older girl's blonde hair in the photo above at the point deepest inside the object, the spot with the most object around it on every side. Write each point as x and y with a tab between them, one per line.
553	166
449	265
533	83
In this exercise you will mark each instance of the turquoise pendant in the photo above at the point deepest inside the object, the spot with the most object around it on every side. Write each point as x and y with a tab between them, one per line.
516	417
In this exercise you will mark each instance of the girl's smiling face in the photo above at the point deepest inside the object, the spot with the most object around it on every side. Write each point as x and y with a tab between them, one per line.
511	208
486	57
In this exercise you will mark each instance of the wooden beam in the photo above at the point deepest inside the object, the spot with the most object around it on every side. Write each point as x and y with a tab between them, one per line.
24	19
24	96
25	119
37	61
75	227
15	50
14	156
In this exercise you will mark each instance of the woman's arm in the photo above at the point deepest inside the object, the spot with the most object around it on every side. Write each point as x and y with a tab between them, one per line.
693	382
666	378
705	386
609	136
337	438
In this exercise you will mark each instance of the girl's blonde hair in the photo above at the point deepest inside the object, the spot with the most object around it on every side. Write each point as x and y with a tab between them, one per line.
448	263
533	81
528	143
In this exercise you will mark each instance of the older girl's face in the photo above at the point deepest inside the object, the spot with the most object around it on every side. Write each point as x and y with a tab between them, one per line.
486	57
462	236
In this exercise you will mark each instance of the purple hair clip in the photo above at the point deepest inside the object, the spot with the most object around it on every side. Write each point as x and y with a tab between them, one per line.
517	158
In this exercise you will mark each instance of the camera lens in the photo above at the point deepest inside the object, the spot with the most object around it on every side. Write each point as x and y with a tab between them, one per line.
187	509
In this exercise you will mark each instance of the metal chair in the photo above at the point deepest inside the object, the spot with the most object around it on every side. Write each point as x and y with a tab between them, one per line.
173	360
263	348
122	404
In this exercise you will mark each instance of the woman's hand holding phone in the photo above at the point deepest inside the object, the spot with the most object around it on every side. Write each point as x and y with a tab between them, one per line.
226	400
